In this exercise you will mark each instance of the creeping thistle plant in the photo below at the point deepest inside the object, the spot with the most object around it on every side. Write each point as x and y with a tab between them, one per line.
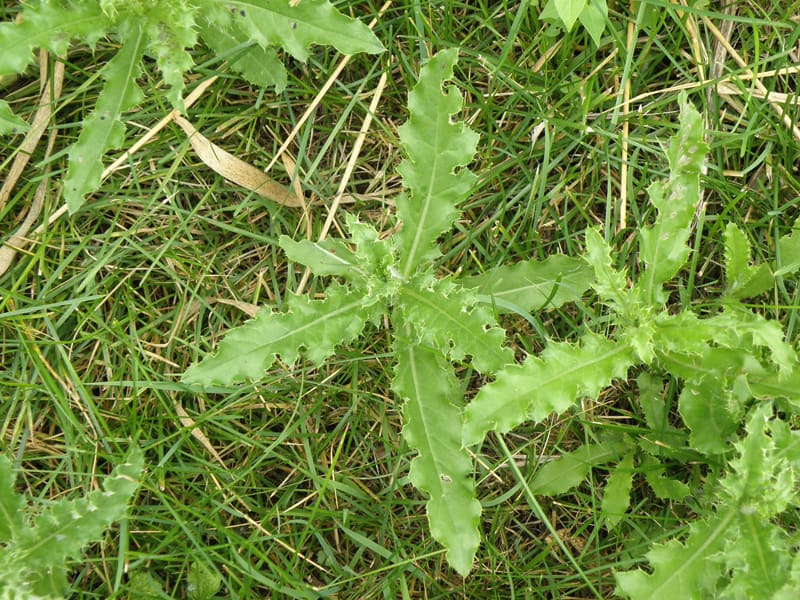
164	30
36	542
435	321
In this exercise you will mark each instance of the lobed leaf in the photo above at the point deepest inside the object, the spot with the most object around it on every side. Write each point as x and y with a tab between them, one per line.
447	317
63	528
103	129
663	247
436	152
316	326
609	283
712	413
171	29
51	25
665	488
297	25
544	384
257	64
329	257
743	280
433	397
533	285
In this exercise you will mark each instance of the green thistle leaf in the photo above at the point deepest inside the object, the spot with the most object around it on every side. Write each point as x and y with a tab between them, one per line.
316	326
9	122
743	280
663	247
437	150
533	285
443	469
446	317
103	129
550	383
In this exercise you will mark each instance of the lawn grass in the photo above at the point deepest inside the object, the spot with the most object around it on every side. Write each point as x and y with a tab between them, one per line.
296	486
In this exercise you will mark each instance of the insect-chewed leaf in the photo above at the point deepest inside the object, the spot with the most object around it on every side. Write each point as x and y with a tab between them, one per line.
49	25
296	26
664	248
743	280
103	129
534	285
437	151
544	384
9	122
442	469
318	326
447	317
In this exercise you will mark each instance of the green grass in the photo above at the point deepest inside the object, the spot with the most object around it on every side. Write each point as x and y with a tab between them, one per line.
301	489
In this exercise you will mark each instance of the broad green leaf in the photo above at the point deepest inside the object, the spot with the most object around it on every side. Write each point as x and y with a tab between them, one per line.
447	317
329	257
433	397
297	25
593	17
743	280
663	247
103	129
315	326
611	285
9	122
51	26
617	493
534	285
258	65
545	384
569	11
571	468
11	517
789	251
202	583
434	172
63	528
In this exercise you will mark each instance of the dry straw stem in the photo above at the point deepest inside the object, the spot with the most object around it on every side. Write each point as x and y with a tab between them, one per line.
764	93
49	95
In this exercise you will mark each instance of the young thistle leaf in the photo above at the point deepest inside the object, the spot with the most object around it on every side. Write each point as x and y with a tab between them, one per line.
103	129
533	285
611	285
433	398
316	326
296	26
544	384
447	317
50	25
617	493
663	247
11	503
743	280
437	152
571	468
